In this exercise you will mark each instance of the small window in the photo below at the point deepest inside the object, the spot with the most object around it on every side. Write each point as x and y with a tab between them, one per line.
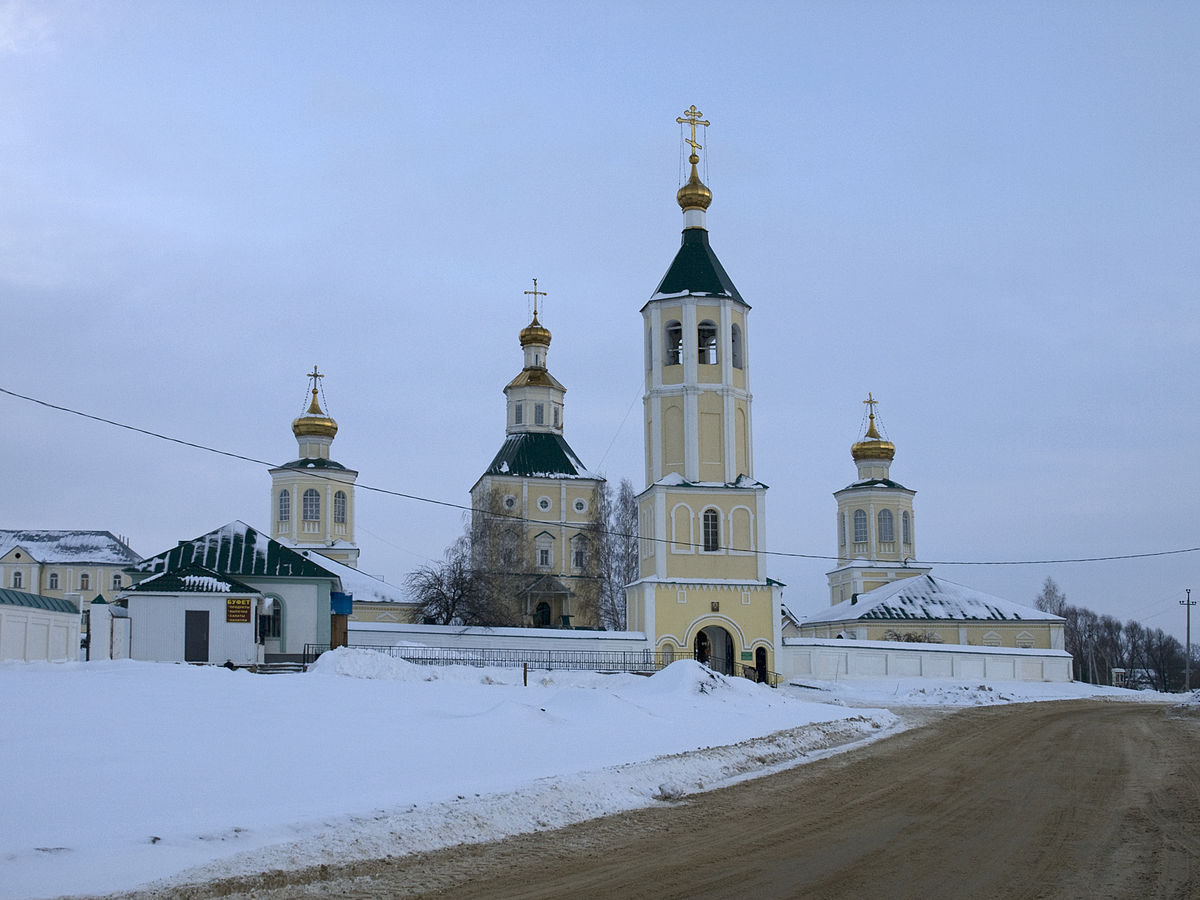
706	340
510	502
539	414
18	580
580	505
860	526
579	555
544	557
85	582
887	528
556	417
53	585
270	625
735	347
712	530
649	350
116	581
285	506
518	414
311	503
906	526
544	503
841	529
339	508
673	344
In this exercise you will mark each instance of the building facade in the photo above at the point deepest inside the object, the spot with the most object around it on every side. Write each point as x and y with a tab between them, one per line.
534	507
74	565
703	589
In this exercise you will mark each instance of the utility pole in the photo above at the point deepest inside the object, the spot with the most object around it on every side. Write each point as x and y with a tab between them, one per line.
1187	648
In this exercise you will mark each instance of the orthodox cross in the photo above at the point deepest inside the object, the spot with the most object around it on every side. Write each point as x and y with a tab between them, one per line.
692	117
314	375
536	293
871	403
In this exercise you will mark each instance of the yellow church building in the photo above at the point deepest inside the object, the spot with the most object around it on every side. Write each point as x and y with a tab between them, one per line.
703	589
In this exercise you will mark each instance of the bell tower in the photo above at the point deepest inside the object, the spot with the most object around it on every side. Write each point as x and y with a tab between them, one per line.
876	525
312	497
703	588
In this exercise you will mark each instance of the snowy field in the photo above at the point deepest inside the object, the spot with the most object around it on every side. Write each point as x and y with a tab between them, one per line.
124	773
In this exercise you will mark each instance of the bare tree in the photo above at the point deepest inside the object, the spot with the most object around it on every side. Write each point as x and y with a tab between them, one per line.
616	523
445	591
1051	599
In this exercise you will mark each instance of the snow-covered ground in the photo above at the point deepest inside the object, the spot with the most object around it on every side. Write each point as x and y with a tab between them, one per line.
123	773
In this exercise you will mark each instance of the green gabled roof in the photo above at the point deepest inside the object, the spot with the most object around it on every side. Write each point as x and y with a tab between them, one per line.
537	454
696	270
36	601
235	549
192	579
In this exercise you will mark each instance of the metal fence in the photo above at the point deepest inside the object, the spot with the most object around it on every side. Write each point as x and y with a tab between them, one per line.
638	662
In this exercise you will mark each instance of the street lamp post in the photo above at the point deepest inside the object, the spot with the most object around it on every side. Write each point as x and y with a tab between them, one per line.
1187	648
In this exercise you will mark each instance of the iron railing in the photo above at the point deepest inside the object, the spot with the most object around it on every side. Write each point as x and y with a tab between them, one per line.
638	662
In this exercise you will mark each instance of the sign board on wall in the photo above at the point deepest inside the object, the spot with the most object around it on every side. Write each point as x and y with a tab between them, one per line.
237	609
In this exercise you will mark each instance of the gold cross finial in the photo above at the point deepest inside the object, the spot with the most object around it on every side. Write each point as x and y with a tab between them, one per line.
692	117
314	375
536	293
871	402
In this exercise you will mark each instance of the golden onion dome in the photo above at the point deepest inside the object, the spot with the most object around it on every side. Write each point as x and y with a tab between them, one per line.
872	446
314	423
535	333
694	194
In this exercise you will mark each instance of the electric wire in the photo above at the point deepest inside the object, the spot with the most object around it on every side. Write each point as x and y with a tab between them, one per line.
473	509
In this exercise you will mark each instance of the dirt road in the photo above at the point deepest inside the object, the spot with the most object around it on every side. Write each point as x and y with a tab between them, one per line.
1079	799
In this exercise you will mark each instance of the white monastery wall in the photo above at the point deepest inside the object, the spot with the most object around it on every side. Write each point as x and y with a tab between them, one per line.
38	634
830	660
388	634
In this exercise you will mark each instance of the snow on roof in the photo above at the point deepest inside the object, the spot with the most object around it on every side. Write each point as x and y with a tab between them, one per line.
364	587
239	550
191	579
674	479
64	547
927	598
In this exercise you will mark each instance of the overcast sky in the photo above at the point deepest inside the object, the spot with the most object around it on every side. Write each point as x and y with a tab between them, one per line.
987	214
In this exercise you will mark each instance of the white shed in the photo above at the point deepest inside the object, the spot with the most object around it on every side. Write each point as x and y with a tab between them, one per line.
194	615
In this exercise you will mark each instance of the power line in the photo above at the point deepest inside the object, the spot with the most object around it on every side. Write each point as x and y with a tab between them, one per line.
472	509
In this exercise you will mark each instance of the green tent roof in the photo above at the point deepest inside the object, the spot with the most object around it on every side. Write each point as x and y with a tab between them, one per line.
537	454
696	270
235	549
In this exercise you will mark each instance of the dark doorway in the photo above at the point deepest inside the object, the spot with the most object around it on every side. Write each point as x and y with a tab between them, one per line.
195	635
703	651
714	647
541	615
760	665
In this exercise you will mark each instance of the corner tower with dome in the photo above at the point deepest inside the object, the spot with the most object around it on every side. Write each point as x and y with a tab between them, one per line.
534	505
312	497
703	589
876	524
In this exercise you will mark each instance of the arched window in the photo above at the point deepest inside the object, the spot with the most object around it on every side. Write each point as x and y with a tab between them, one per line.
841	530
18	580
906	527
887	526
706	340
285	505
735	347
518	414
712	530
860	526
53	585
270	625
339	508
85	582
311	505
116	581
673	344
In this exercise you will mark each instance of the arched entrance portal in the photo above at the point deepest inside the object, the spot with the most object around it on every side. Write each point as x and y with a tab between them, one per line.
714	648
